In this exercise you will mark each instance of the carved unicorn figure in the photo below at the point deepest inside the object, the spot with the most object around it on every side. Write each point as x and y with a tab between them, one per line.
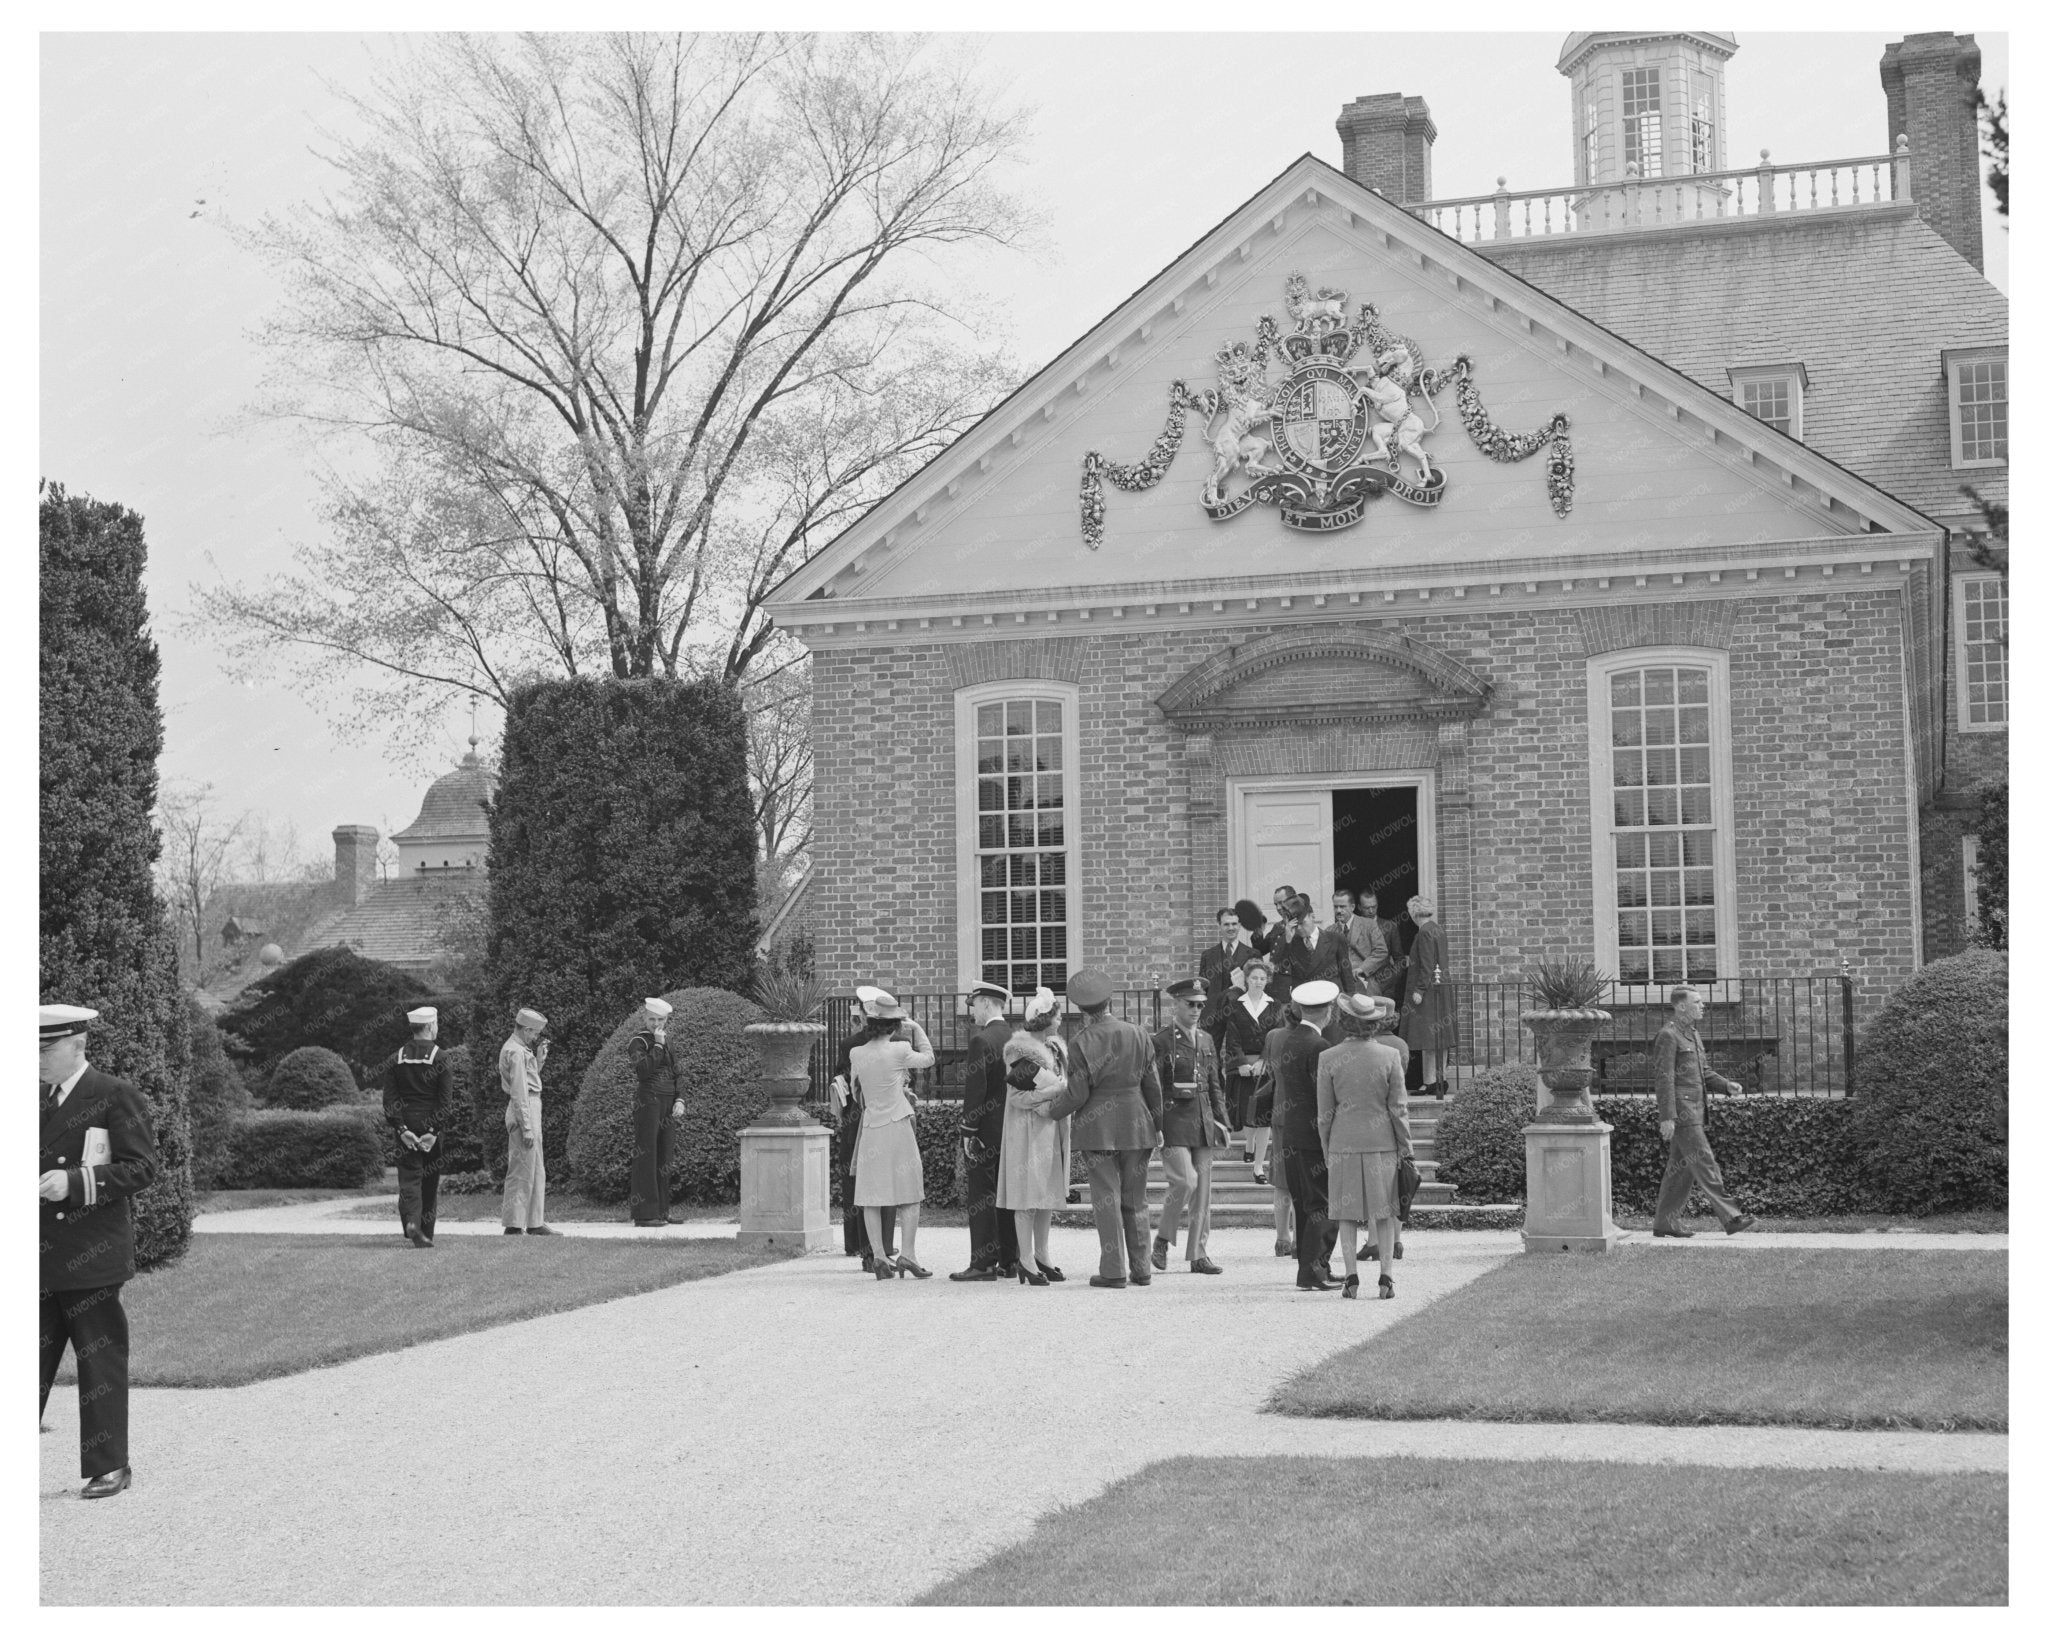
1244	400
1386	382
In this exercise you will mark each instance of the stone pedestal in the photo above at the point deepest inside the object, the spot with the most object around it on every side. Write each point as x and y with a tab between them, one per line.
1571	1187
785	1187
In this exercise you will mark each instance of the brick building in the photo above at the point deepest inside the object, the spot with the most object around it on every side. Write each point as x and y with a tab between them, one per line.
1697	681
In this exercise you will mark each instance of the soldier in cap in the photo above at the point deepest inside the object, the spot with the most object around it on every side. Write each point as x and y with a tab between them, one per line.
657	1106
984	1094
1113	1094
1194	1123
526	1170
98	1149
419	1090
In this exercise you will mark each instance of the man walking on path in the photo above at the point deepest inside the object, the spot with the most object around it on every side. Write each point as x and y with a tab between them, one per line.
1113	1094
1194	1125
526	1168
1292	1054
991	1234
657	1106
419	1090
1678	1069
97	1149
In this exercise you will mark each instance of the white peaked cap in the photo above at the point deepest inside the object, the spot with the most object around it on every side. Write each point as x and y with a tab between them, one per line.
423	1015
1317	992
656	1007
59	1021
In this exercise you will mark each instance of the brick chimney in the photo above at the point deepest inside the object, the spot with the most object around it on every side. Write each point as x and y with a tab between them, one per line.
1930	97
355	860
1387	138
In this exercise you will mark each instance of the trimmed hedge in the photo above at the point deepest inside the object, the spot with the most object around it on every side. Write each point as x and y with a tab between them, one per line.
938	1145
311	1078
1479	1145
622	866
1931	1083
306	1149
103	940
1780	1156
717	1076
218	1097
338	999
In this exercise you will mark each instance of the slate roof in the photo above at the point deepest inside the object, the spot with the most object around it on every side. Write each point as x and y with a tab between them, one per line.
1866	300
454	804
400	921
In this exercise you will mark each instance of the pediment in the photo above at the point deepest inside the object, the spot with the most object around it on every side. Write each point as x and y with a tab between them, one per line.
1323	673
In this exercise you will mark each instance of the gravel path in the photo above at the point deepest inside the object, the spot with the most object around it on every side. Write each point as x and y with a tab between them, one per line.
735	1440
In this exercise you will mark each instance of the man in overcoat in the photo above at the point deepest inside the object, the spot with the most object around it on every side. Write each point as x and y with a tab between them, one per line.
991	1234
419	1091
98	1150
1113	1094
657	1106
1292	1053
1679	1072
1194	1124
1222	970
1315	954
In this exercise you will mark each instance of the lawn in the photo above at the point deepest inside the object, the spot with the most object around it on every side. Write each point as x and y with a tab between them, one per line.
562	1208
1839	1339
256	1199
241	1307
1401	1530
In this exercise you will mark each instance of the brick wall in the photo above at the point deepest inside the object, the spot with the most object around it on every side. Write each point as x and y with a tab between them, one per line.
1822	814
1972	761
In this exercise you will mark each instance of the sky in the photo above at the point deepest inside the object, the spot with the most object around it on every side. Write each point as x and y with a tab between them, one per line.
154	146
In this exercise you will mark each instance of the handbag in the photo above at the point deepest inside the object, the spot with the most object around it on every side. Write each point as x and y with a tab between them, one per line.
1407	1184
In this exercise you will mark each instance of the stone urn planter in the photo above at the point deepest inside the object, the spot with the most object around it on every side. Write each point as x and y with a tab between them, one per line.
1564	1058
785	1049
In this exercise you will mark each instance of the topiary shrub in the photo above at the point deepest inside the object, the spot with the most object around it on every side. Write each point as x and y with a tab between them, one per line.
218	1097
311	1078
306	1149
938	1146
717	1076
1931	1088
102	939
334	998
1479	1143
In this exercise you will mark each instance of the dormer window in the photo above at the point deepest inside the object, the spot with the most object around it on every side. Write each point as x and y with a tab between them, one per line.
1976	406
1775	394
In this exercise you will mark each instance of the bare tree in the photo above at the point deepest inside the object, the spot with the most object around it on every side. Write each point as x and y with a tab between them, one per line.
196	844
629	327
779	760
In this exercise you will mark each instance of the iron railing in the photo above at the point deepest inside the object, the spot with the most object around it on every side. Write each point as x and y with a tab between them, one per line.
1763	189
1777	1036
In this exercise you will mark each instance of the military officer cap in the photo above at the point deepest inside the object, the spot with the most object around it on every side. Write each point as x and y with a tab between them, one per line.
995	992
58	1022
529	1019
423	1015
1317	992
656	1007
1188	989
1088	988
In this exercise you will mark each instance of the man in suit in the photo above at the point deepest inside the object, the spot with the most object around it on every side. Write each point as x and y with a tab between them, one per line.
1113	1094
98	1149
1363	937
1679	1072
1193	1125
526	1169
419	1090
1292	1053
1222	971
657	1106
1315	954
991	1234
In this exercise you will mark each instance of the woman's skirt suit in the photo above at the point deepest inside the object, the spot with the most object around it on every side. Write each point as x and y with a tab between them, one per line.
888	1170
1426	1026
1033	1171
1362	1111
1244	1037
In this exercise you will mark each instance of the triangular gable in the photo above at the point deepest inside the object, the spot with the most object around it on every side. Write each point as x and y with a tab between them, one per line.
1662	464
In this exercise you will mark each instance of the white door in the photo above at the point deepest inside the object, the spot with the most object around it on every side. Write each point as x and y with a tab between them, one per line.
1284	838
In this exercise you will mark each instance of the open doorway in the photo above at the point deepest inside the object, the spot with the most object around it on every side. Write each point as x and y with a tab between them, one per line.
1376	847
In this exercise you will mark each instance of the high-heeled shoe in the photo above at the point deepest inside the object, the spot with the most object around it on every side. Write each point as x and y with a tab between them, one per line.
1031	1276
1053	1275
1386	1287
1351	1285
905	1265
884	1269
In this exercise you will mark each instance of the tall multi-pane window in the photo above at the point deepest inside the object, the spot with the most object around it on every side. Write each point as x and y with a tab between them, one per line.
1663	817
1590	142
1642	121
1981	652
1022	794
1703	126
1977	411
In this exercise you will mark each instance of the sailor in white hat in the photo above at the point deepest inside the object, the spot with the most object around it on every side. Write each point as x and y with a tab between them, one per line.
419	1095
98	1149
846	1103
1292	1055
526	1171
984	1095
657	1106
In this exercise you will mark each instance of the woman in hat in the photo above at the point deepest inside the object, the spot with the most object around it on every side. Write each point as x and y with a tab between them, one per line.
888	1170
1249	1087
1032	1181
1362	1113
1426	1019
847	1107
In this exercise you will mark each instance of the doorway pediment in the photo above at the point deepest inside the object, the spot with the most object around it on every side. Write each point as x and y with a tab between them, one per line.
1323	674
